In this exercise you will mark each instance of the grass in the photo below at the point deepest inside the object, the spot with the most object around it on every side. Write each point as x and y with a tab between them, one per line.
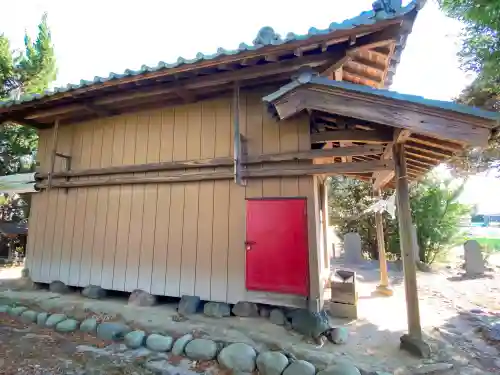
492	244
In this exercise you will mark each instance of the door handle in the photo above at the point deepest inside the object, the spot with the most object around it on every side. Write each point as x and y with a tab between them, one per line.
248	245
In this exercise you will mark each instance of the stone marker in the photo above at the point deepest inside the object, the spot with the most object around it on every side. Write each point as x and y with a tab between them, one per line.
474	262
339	335
271	363
201	349
159	343
94	292
310	324
54	319
216	309
141	298
238	357
300	367
352	248
246	309
189	305
180	344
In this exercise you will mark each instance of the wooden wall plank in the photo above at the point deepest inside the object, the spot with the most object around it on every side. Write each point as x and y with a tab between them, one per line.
289	141
114	138
254	140
150	206
206	206
124	209
105	132
64	146
91	159
41	202
220	241
236	248
137	208
79	147
271	187
158	277
190	226
175	236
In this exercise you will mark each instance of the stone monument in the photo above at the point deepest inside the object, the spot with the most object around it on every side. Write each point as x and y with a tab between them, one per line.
474	262
352	248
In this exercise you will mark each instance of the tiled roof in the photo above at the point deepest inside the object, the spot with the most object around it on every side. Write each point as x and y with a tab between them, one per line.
382	10
308	78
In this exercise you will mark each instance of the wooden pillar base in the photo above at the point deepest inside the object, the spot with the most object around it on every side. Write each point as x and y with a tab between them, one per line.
415	346
384	290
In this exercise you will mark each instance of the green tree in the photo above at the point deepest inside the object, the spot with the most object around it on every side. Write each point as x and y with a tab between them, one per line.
25	72
435	211
480	53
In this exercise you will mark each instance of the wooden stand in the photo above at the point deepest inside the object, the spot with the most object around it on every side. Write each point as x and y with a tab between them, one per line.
383	287
344	296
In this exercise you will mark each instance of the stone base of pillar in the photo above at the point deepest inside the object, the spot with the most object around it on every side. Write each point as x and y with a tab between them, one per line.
415	346
384	290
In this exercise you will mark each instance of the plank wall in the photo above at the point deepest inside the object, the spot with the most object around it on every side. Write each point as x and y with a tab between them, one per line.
167	239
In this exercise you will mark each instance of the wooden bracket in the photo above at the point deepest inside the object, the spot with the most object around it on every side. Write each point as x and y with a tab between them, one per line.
55	154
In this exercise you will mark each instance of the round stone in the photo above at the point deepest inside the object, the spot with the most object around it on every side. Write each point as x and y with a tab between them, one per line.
339	335
300	368
68	325
141	298
180	344
55	319
29	316
17	311
94	292
342	368
89	325
159	343
238	357
59	287
134	339
112	331
246	309
276	316
201	349
271	363
41	319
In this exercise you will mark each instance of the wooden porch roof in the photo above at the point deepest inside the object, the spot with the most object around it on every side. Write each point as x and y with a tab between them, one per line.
365	50
343	113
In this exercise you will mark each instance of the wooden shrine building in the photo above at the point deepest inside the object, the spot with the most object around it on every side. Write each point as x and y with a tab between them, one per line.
206	176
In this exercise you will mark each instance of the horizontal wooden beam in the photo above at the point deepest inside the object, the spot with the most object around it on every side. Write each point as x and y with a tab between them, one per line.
316	169
282	171
220	162
352	136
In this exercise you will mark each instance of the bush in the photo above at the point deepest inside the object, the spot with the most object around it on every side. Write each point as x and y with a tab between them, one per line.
435	212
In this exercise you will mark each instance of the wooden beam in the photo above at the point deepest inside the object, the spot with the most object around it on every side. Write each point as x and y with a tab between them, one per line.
405	234
352	136
382	178
438	143
356	78
26	122
53	152
318	169
413	117
335	66
237	136
383	287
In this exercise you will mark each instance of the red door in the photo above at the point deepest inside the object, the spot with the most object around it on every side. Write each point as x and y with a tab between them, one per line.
277	247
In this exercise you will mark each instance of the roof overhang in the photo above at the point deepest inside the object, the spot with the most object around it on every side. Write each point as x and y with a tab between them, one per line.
363	50
432	131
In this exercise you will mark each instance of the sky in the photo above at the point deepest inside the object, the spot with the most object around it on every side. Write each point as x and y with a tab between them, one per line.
98	37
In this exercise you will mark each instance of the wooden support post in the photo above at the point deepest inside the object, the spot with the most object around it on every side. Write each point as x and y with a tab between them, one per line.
237	136
53	153
383	287
413	340
324	223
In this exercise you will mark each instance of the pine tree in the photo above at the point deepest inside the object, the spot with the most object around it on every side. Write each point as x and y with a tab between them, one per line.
23	73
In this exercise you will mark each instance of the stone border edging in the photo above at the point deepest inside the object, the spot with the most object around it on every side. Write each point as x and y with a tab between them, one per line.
239	357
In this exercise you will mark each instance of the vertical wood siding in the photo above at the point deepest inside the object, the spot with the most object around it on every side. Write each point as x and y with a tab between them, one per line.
167	239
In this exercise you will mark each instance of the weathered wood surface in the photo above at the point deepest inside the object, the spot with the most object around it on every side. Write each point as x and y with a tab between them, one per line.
220	161
161	237
352	136
454	127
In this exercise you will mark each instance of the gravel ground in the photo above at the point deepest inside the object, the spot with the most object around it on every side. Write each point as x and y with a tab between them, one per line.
32	350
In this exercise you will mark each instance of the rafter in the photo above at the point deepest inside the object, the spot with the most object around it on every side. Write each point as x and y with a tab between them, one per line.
374	136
